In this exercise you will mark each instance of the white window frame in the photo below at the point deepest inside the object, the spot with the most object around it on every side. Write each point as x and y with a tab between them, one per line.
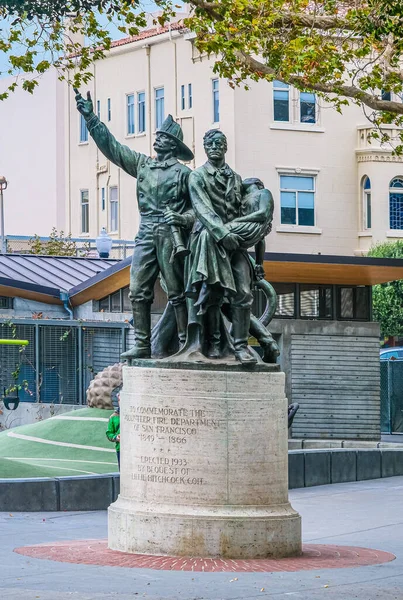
190	95
294	112
133	105
364	195
113	206
183	97
213	92
87	204
282	88
156	100
82	140
143	102
103	199
299	172
99	109
109	109
399	191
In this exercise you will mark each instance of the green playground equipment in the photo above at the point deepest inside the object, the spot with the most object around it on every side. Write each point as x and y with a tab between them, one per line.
12	402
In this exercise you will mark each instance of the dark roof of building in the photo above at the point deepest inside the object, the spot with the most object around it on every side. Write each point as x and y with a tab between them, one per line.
279	267
83	279
49	274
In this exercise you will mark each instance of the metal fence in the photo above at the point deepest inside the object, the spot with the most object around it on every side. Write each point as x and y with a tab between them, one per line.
20	244
60	360
392	396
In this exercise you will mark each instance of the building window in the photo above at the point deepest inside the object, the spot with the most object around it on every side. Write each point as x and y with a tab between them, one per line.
292	106
216	101
307	103
85	217
99	109
285	299
141	112
103	198
386	95
353	303
6	302
114	208
182	97
130	114
366	209
315	301
159	107
83	130
190	96
281	101
117	302
396	203
297	200
109	109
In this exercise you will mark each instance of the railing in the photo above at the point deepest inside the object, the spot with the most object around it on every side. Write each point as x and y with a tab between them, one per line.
367	141
85	247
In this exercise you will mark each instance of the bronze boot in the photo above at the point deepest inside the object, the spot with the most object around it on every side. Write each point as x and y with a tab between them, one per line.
142	332
214	333
240	331
181	315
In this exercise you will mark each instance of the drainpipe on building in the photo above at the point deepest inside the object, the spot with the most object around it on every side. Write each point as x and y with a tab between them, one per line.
150	141
175	69
64	297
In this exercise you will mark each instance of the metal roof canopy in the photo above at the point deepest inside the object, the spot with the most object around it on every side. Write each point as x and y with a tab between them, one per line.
42	278
279	267
337	270
47	275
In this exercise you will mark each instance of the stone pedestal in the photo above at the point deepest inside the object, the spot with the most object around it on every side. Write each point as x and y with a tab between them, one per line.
204	465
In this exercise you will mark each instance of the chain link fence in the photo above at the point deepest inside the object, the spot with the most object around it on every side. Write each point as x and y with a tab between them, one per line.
84	247
391	396
59	361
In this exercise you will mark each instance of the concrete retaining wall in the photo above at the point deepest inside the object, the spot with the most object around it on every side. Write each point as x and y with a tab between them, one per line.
32	412
306	468
94	492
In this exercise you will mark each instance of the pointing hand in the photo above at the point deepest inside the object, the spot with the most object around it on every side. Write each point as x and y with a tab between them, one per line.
85	107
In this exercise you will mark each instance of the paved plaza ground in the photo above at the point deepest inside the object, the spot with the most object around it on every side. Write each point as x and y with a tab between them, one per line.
367	514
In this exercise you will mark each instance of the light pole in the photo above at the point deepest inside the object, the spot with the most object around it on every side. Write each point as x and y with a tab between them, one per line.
3	186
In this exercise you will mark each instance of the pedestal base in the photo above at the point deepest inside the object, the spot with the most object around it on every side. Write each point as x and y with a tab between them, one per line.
204	466
245	533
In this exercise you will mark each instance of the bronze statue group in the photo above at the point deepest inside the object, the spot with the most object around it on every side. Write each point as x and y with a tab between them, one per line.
195	231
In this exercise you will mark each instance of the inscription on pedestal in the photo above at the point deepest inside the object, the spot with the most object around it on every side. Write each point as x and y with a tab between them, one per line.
173	429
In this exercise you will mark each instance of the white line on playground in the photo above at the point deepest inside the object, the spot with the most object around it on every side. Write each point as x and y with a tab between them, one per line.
62	468
29	438
93	462
62	417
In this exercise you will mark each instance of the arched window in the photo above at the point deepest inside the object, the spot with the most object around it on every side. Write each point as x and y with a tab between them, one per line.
366	203
396	203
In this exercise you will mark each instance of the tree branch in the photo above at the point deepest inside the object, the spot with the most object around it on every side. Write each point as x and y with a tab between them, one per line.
287	19
349	91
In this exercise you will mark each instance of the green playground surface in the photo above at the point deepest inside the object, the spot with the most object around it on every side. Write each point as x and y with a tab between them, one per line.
73	443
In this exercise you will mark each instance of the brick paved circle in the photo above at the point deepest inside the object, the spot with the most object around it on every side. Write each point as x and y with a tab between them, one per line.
315	556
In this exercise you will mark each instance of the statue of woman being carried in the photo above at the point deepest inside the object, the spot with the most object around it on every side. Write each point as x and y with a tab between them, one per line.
231	216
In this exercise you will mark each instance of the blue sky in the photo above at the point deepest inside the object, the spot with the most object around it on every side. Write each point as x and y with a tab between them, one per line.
147	5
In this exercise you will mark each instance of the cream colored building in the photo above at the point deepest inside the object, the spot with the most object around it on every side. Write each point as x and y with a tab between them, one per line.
314	160
32	145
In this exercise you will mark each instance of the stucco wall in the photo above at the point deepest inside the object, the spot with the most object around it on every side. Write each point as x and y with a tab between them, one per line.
32	157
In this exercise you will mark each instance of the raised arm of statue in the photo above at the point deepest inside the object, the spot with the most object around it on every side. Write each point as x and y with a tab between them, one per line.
120	155
203	208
